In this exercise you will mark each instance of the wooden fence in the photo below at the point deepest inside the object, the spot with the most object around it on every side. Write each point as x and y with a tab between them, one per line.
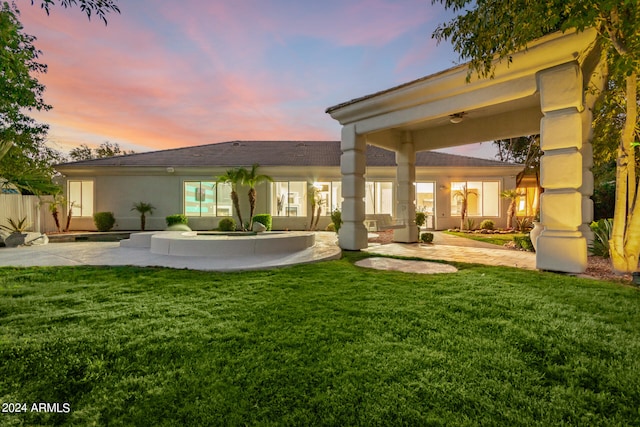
34	208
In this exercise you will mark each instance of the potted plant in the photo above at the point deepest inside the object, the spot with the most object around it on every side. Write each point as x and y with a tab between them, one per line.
421	218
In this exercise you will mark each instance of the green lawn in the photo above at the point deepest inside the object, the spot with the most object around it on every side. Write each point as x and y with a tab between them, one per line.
496	239
320	344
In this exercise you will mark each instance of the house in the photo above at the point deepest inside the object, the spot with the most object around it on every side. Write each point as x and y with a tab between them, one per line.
183	180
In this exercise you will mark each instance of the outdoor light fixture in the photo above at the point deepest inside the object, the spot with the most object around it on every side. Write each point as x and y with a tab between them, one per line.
170	170
456	118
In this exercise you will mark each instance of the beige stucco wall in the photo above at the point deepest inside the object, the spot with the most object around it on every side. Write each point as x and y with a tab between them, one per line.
117	193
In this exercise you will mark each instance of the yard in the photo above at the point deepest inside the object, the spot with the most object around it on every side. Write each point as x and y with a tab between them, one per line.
319	344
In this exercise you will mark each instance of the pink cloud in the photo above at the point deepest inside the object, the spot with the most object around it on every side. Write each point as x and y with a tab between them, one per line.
192	72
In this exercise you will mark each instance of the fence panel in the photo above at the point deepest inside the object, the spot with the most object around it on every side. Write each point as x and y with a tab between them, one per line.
17	206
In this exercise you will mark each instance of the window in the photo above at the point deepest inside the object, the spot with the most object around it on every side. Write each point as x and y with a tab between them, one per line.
80	197
289	198
483	198
527	202
207	198
329	196
379	197
425	197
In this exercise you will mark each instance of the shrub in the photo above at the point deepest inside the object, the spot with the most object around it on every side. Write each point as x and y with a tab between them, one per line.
104	221
227	224
264	219
601	234
177	219
336	218
426	237
524	243
421	218
471	224
330	227
487	224
523	224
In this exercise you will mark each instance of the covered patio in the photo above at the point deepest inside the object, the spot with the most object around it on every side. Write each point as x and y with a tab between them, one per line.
549	89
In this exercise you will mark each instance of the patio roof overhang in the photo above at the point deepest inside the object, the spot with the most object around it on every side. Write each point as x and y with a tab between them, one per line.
504	106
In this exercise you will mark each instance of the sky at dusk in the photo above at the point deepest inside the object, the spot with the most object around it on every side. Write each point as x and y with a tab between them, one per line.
166	74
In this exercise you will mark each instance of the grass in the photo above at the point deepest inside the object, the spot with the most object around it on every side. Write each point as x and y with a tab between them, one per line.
495	239
320	344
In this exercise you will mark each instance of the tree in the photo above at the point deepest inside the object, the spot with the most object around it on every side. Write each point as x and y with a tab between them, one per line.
20	135
99	7
462	196
253	178
234	177
486	31
143	209
106	149
512	196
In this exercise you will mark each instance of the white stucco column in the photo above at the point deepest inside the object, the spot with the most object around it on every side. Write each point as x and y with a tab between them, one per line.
565	173
406	191
353	162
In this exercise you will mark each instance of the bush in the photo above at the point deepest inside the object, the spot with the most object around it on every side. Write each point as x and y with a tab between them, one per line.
601	234
336	218
421	218
487	224
426	237
104	221
227	224
524	243
176	219
523	224
264	219
330	227
471	224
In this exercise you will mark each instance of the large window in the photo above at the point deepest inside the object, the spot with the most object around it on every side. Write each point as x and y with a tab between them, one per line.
379	197
483	198
328	194
80	197
289	198
207	198
425	201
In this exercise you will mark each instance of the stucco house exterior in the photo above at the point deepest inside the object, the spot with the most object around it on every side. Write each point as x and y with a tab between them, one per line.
182	181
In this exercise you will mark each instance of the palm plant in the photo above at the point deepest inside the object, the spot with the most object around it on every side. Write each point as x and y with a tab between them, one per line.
143	209
58	201
512	196
235	177
19	226
252	178
462	195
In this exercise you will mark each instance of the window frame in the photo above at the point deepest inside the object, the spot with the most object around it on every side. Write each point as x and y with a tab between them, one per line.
215	202
481	196
84	211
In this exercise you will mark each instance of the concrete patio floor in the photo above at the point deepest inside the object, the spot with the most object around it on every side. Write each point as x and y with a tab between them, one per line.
459	249
445	248
111	253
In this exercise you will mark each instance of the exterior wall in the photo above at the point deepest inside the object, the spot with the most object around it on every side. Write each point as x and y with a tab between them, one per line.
118	193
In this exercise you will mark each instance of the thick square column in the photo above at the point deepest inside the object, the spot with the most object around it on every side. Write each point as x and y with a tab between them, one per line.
353	234
406	192
564	171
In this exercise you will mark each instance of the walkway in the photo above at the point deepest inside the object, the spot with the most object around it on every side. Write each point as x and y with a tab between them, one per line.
446	247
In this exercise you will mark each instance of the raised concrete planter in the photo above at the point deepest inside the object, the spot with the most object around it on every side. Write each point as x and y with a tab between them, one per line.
220	244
